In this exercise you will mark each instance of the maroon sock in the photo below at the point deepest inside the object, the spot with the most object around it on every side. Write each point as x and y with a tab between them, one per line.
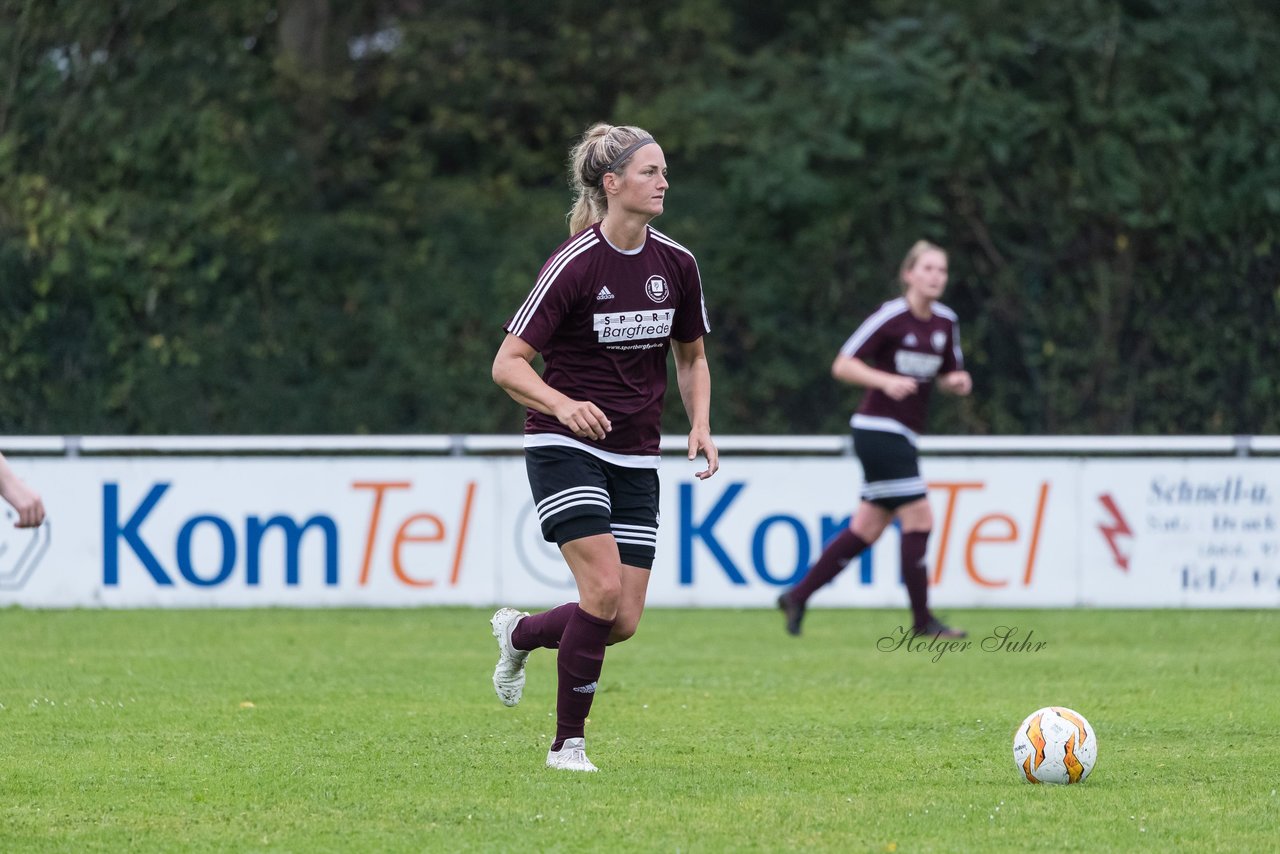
579	663
915	576
843	548
544	629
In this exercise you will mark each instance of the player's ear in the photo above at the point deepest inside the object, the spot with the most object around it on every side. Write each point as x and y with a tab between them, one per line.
610	183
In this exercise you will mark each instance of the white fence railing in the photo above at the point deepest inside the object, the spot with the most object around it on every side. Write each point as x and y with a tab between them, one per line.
469	445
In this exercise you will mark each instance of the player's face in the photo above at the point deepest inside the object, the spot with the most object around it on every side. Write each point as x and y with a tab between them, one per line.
928	277
642	187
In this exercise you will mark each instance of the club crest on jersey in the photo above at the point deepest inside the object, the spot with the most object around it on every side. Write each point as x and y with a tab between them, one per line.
656	288
938	340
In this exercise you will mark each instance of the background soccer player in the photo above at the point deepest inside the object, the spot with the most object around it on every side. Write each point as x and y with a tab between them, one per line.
606	308
896	354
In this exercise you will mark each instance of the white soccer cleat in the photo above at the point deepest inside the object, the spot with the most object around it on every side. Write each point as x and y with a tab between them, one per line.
508	676
572	756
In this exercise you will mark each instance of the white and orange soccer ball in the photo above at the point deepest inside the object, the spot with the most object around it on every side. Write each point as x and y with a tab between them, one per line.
1055	745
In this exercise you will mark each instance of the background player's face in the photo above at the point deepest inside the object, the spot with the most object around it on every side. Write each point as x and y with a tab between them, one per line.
928	276
642	187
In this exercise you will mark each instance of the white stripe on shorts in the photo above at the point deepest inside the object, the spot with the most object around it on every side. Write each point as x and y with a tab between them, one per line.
893	488
635	535
574	496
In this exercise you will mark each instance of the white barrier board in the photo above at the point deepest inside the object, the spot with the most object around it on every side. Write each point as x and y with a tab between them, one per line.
328	531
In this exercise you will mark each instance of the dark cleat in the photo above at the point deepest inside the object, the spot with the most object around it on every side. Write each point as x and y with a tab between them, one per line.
794	613
937	628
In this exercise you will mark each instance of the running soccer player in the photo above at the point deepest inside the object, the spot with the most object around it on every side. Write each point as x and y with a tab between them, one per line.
605	310
897	354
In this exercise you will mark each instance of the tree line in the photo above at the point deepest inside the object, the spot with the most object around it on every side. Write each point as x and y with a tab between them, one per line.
313	217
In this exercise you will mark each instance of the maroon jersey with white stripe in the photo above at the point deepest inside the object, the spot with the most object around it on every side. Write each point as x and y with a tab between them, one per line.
895	340
602	320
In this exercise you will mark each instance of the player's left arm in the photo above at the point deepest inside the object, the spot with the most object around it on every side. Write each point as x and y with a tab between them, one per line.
955	382
954	379
694	378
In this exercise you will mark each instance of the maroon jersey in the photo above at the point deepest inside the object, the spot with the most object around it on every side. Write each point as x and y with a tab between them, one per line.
895	340
602	319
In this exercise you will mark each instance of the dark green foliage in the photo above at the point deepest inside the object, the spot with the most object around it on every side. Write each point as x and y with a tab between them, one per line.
314	217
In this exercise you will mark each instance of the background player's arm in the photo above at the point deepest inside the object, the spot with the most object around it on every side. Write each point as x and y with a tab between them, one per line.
953	378
512	369
854	371
694	379
955	382
23	498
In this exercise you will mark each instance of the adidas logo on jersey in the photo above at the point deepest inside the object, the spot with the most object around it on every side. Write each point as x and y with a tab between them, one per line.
910	340
605	293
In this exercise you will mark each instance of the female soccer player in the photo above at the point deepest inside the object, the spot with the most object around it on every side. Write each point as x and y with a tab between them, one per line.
896	354
606	308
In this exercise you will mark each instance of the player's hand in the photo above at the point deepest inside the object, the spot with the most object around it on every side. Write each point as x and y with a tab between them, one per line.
956	382
585	419
29	506
899	387
700	440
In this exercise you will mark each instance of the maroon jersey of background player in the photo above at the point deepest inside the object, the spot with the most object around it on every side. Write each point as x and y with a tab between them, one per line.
895	340
602	319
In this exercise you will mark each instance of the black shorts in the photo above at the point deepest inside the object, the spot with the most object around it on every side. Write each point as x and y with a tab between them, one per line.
890	468
580	495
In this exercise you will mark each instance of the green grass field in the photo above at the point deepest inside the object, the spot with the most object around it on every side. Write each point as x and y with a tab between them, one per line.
376	730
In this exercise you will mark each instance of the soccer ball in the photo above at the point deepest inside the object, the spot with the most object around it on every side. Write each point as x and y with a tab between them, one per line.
1055	745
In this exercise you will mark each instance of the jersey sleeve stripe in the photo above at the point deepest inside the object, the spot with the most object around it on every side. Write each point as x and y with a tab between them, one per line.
947	312
662	238
554	268
667	241
886	312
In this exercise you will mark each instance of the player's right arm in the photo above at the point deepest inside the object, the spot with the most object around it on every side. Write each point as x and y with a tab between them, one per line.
854	371
513	370
22	497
